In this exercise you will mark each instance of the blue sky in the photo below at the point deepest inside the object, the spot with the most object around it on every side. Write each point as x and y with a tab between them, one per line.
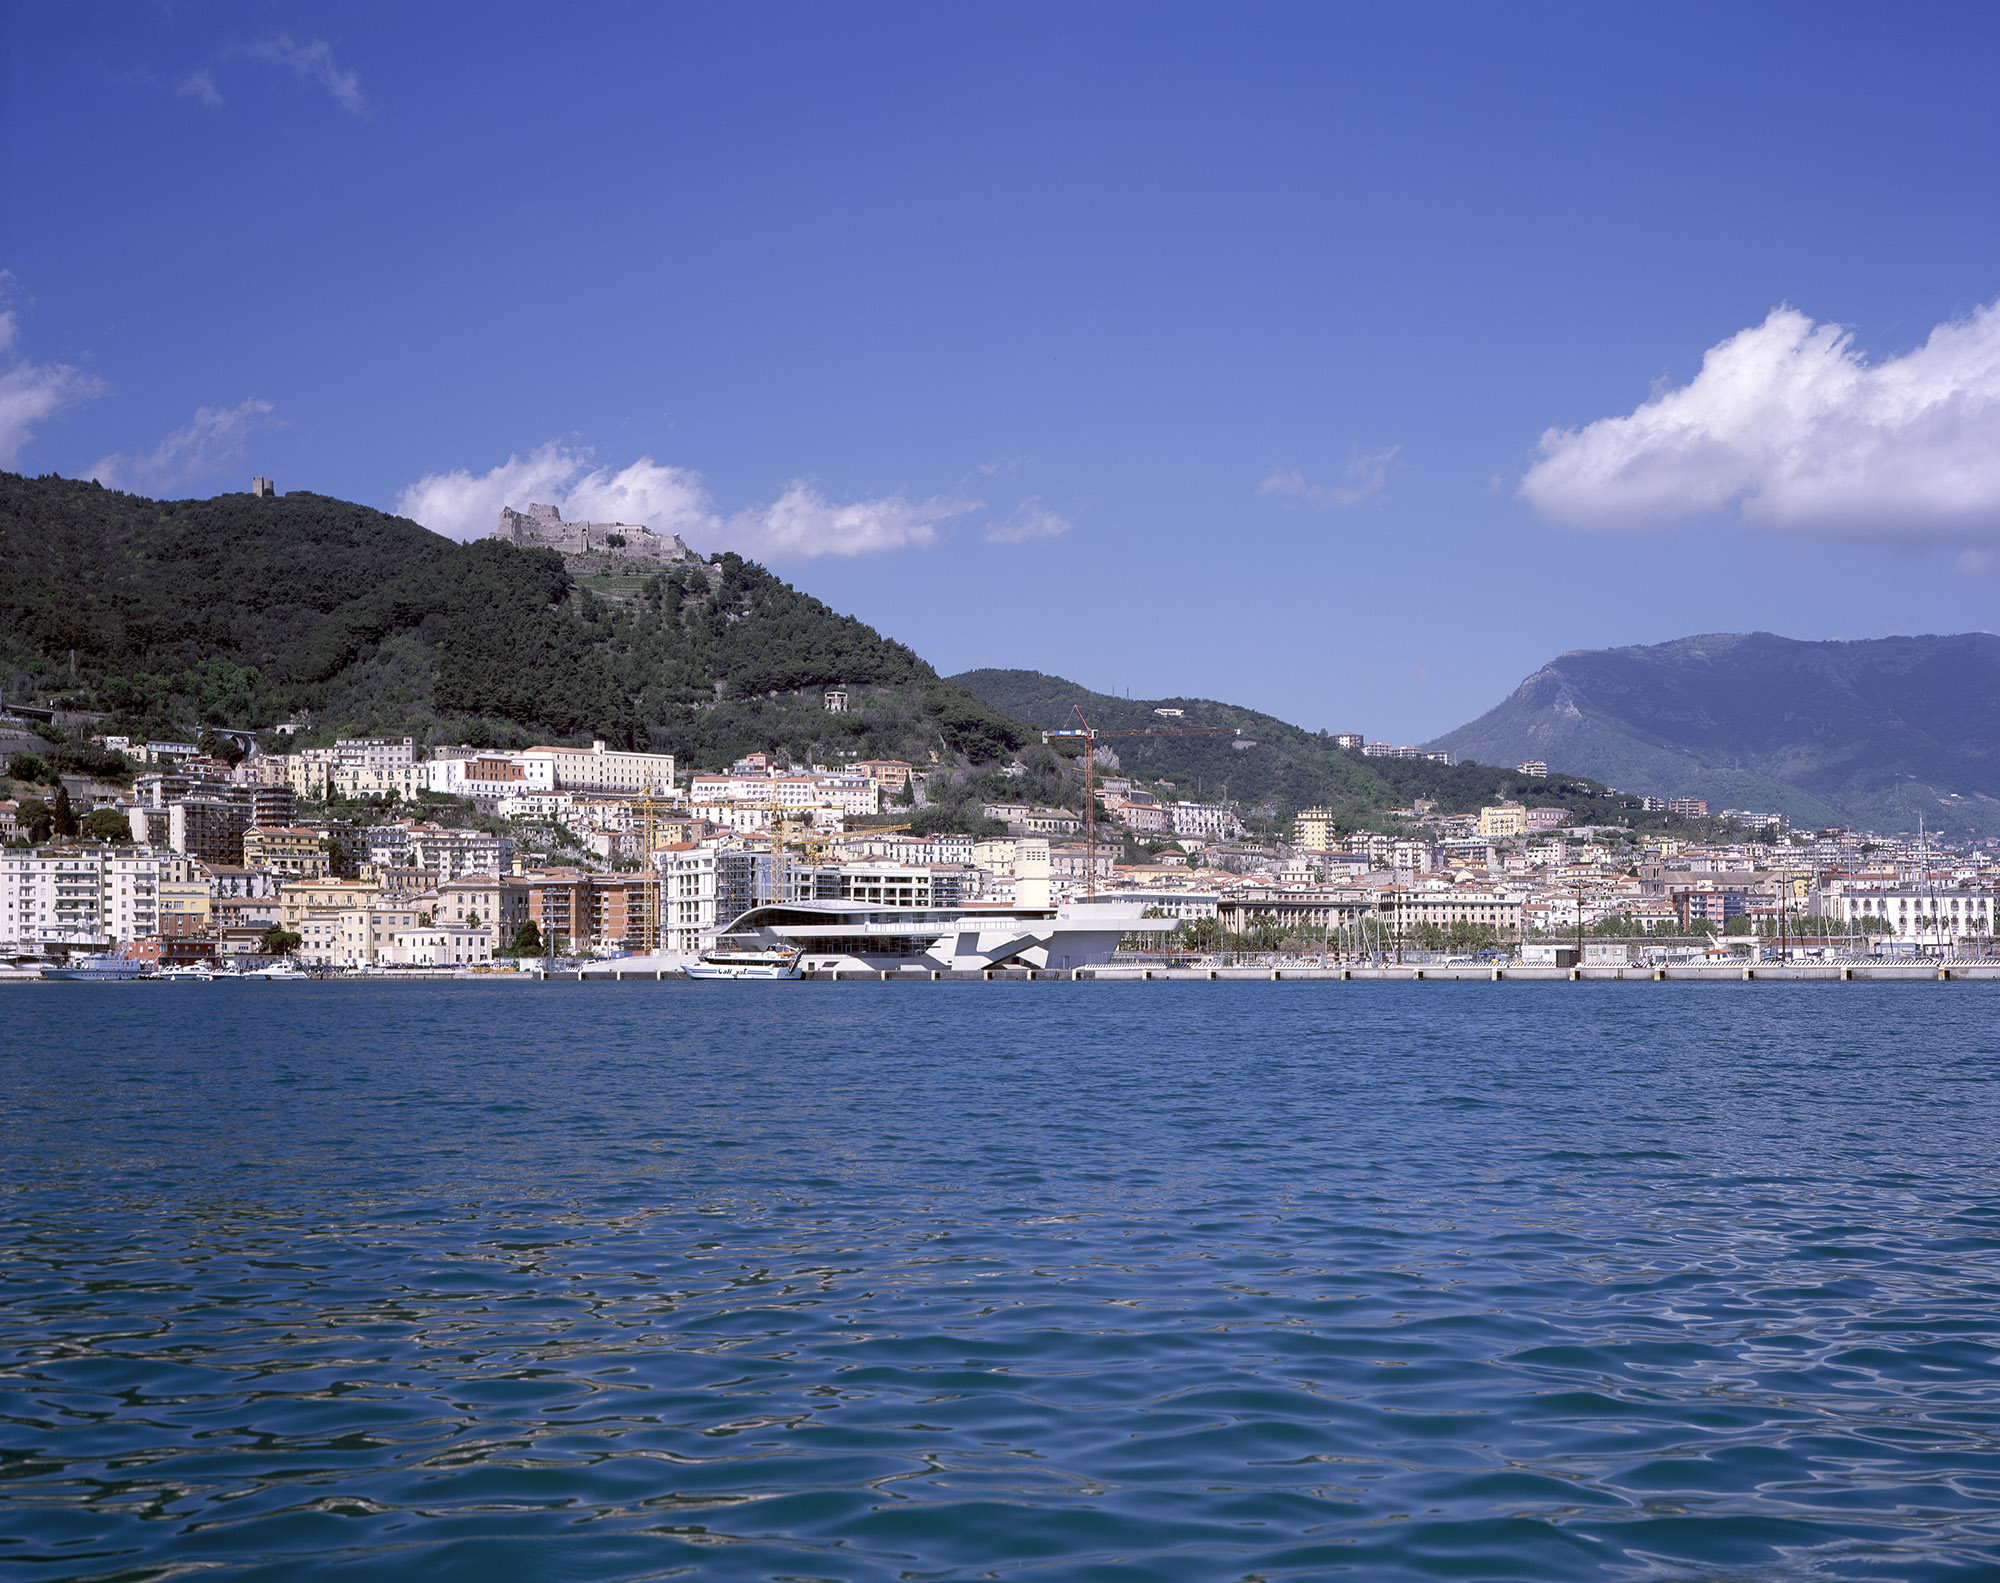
1201	350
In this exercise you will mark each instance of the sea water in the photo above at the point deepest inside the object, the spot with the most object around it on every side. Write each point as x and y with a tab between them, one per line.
1015	1281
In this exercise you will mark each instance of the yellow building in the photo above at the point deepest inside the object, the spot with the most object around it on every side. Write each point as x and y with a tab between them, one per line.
185	908
1313	830
285	849
1503	819
310	898
362	935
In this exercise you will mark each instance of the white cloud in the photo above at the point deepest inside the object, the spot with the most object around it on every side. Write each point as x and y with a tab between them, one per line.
31	392
200	87
803	522
800	523
1365	475
312	61
1028	523
212	444
1795	429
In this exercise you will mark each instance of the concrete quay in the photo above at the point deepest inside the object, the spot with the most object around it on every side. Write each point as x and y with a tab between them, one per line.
1758	972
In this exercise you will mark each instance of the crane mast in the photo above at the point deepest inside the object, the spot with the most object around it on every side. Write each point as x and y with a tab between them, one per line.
1089	735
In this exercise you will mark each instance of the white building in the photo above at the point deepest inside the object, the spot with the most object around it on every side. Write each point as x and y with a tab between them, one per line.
535	805
1419	857
491	776
1920	913
687	897
1164	903
1206	821
600	768
438	945
78	897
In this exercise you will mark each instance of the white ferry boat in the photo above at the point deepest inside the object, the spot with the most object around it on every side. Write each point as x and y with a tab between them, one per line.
777	962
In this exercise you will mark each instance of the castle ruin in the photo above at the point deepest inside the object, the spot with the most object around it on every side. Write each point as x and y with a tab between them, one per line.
542	528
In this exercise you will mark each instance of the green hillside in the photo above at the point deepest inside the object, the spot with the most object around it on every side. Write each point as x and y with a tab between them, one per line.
244	611
1271	769
1874	734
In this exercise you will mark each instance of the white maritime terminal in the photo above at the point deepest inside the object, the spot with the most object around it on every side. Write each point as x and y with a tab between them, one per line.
842	934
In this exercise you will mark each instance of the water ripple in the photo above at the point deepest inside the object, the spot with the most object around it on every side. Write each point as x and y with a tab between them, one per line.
1033	1282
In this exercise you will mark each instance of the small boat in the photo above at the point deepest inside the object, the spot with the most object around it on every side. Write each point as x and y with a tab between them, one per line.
773	962
186	973
107	968
284	970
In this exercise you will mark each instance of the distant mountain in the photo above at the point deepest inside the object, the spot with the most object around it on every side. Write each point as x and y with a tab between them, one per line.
243	610
1870	734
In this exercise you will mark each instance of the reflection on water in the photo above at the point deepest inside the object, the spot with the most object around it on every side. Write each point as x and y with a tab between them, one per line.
1027	1281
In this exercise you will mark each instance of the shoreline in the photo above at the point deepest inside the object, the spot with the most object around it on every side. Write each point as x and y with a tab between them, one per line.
1767	972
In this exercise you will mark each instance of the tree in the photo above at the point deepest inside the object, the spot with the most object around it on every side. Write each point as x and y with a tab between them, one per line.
279	941
106	824
31	768
34	818
62	817
527	940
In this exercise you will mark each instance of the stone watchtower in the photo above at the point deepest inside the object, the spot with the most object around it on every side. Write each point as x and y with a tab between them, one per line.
263	489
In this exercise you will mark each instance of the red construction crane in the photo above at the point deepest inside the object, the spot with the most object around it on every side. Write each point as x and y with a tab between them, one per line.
1090	734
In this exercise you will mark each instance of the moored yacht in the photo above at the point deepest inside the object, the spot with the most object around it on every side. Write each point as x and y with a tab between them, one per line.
284	969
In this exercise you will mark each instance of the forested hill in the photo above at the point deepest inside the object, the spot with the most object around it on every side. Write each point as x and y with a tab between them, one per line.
1273	769
1874	734
245	611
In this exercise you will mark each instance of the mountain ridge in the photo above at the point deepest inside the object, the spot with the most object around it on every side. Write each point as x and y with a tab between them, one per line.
1873	732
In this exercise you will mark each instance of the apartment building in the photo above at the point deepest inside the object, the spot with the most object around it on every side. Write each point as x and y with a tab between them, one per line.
496	904
1502	820
361	935
285	849
892	775
688	896
302	901
1202	821
1313	830
85	898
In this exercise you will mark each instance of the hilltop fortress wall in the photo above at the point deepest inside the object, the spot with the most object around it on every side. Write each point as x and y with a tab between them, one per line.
542	527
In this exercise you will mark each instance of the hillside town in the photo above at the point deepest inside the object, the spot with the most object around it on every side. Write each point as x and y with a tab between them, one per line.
377	855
